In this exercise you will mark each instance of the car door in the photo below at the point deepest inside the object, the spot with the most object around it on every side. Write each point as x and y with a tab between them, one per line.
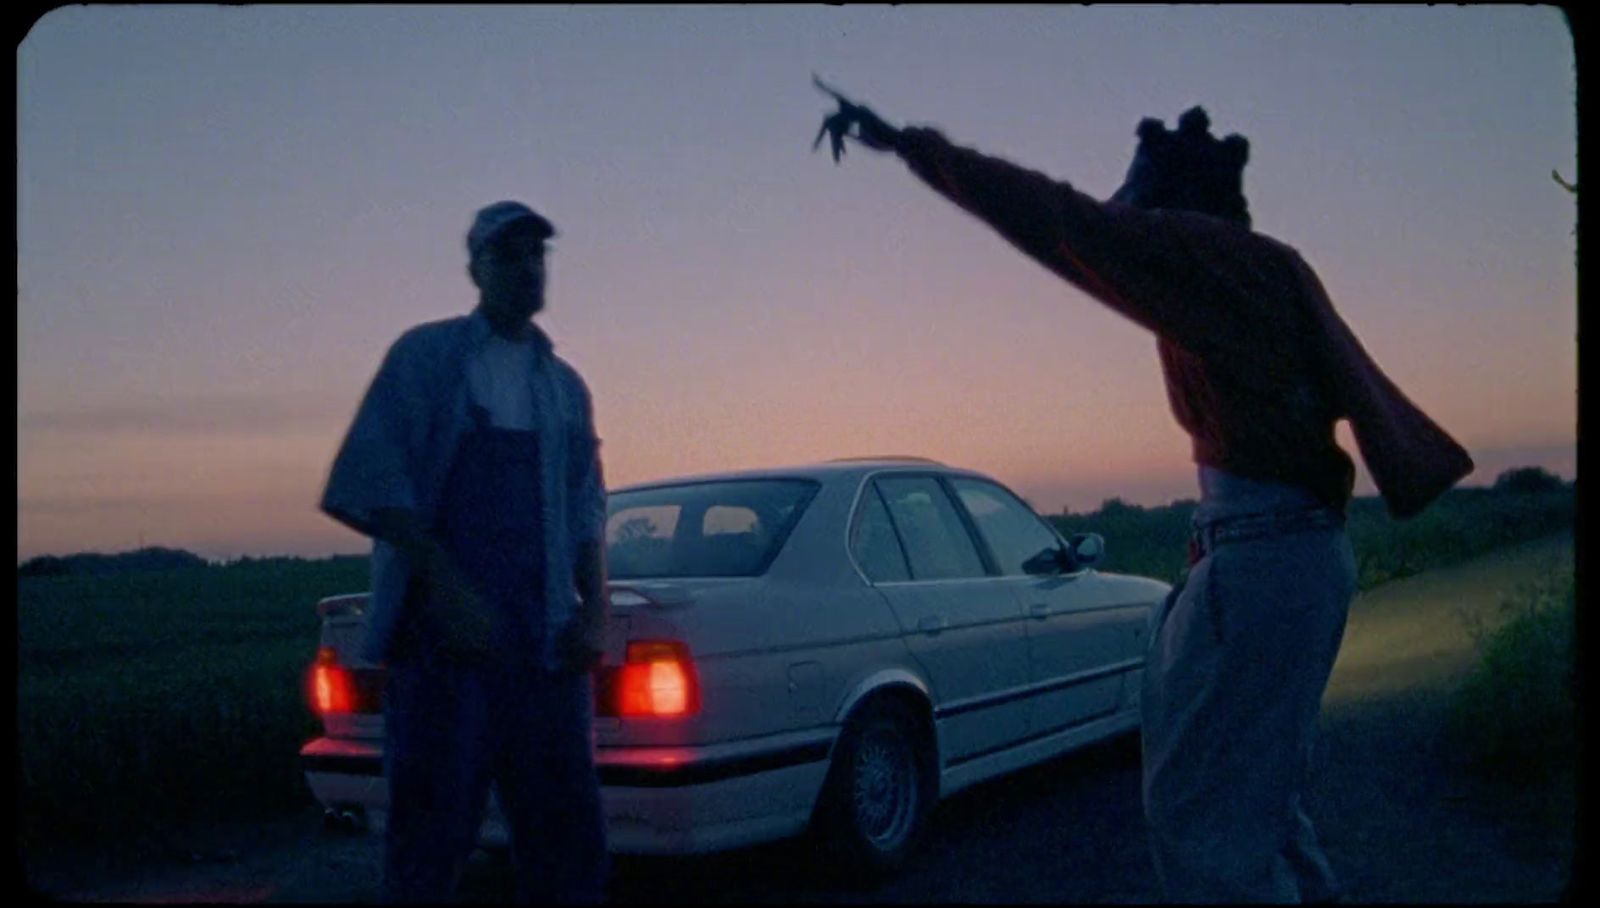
1076	635
961	623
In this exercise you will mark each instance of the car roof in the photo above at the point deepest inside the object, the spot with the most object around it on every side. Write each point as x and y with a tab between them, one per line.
825	471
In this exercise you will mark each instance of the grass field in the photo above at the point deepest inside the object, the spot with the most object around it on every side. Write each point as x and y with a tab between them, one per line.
165	696
170	696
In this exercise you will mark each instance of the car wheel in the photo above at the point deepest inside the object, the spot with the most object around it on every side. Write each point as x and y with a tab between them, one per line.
878	793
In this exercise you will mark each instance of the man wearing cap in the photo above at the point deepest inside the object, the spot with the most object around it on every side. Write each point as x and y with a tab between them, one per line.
473	464
1258	369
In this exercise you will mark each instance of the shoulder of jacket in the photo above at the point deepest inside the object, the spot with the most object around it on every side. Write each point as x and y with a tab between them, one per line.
432	338
435	331
576	391
1227	238
567	372
1283	250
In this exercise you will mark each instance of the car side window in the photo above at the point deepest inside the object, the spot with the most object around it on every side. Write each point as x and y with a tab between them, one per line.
639	540
1014	533
936	541
726	519
873	541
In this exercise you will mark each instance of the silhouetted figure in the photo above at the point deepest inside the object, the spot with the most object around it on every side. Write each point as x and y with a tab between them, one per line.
1258	369
473	464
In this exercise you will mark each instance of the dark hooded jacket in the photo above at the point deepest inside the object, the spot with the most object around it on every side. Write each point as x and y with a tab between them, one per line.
1258	365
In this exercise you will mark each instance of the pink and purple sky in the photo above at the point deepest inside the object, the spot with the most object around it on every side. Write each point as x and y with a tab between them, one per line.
226	214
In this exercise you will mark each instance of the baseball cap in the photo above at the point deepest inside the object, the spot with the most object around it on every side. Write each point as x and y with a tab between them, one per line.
492	220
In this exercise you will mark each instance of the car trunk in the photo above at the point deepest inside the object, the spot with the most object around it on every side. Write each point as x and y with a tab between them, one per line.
351	687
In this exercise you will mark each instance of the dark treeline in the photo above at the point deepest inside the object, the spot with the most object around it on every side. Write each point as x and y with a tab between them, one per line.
146	559
152	559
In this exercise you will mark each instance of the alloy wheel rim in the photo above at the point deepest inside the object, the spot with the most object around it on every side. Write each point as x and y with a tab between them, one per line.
885	788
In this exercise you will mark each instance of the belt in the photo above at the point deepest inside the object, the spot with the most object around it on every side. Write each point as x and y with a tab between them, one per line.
1246	527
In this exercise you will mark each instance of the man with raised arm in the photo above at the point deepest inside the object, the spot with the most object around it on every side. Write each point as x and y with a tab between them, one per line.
1259	368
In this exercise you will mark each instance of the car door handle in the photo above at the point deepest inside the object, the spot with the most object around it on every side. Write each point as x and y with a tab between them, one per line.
1039	610
932	624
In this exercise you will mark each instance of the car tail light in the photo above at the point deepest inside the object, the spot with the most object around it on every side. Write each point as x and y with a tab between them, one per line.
658	679
334	688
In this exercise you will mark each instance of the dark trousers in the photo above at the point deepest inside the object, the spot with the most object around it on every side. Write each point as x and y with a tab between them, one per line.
452	730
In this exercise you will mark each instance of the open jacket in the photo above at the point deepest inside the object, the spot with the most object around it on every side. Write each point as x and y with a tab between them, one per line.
398	451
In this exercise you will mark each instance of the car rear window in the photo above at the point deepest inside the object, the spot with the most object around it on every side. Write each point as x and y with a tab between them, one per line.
702	529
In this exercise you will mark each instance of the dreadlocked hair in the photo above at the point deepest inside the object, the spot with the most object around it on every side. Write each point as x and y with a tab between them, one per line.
1192	170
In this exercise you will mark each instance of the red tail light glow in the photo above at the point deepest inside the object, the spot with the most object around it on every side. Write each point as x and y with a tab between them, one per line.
331	690
334	688
657	680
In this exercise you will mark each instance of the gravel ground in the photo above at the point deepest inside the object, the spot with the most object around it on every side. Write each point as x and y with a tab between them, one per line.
1402	815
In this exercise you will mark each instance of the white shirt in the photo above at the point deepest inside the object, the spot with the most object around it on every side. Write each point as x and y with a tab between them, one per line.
500	379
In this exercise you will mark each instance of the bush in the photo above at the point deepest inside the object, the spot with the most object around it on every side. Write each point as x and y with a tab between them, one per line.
1515	714
1528	480
1462	524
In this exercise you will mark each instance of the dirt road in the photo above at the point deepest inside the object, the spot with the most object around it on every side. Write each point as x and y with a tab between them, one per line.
1401	816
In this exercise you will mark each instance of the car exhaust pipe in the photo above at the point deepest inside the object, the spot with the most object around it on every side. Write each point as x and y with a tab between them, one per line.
344	819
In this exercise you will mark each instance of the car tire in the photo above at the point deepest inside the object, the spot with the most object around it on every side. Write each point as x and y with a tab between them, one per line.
878	793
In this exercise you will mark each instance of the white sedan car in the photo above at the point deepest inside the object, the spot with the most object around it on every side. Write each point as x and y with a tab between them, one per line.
830	647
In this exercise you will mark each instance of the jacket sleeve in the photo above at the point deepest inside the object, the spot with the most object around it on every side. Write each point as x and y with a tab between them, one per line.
1151	266
586	491
373	467
1413	460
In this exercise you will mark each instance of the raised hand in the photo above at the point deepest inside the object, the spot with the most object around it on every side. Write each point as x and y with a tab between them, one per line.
870	129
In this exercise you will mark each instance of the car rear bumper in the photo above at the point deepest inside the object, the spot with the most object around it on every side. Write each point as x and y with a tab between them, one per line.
657	800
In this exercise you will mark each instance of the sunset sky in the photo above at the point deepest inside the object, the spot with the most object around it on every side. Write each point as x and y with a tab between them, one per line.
226	214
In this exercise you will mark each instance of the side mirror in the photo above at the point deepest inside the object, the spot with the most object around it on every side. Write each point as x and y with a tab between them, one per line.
1085	550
